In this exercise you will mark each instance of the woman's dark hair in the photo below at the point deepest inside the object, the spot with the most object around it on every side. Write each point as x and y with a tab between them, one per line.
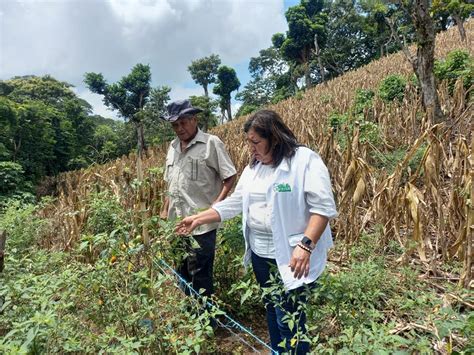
281	140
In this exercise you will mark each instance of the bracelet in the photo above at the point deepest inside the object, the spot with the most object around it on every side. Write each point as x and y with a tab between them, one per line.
304	248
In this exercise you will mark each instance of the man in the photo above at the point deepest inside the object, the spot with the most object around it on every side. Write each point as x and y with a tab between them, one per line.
199	173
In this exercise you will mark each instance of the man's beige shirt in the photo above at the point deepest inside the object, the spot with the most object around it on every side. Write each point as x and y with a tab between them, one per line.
195	176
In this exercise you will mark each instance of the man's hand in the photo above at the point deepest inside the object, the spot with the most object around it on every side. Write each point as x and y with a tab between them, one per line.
187	225
299	262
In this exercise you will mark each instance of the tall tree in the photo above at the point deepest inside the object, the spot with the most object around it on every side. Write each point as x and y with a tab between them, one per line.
128	96
270	80
227	82
28	137
206	119
52	129
304	22
423	63
204	71
349	43
157	131
379	33
459	10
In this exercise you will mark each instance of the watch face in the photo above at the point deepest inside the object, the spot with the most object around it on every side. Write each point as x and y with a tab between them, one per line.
306	241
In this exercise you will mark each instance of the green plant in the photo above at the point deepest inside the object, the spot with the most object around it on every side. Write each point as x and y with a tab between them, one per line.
105	213
11	176
337	120
458	64
13	185
22	226
390	160
50	303
362	101
235	286
369	133
392	88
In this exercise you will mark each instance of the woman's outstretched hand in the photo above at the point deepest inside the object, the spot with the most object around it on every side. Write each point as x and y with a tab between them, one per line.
187	225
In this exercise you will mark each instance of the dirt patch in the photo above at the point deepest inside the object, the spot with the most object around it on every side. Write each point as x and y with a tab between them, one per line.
231	340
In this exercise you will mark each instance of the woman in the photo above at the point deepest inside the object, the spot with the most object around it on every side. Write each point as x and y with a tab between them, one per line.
286	201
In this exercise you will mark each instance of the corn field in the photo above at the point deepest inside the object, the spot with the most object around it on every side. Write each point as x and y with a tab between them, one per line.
425	208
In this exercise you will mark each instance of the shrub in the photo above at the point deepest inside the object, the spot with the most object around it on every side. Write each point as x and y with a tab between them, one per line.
21	224
11	177
336	120
392	88
369	133
390	160
13	185
363	100
52	304
458	64
105	213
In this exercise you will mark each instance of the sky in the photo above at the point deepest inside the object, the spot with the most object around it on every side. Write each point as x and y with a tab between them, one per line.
67	38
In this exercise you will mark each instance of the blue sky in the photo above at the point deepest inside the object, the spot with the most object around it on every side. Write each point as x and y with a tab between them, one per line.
67	38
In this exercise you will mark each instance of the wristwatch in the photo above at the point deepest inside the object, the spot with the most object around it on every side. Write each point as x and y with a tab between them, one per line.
307	242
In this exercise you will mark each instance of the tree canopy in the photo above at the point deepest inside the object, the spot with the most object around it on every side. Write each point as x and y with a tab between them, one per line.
227	82
128	96
204	71
45	128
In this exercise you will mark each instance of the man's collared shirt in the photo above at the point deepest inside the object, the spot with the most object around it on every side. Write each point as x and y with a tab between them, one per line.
194	176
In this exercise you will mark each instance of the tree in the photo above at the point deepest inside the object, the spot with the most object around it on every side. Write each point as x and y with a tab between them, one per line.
377	15
459	10
423	62
157	131
128	96
204	71
270	80
105	143
45	126
126	138
46	89
226	83
206	119
29	138
349	40
304	22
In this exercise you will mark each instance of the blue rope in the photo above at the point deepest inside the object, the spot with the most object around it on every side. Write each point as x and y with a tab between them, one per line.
231	322
188	285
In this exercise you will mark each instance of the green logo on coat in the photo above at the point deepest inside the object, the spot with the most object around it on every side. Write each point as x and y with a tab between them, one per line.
281	188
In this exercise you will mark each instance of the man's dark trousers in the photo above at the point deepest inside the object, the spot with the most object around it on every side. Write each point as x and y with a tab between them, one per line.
198	267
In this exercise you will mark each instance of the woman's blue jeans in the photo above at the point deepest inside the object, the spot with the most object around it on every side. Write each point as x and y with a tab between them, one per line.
286	303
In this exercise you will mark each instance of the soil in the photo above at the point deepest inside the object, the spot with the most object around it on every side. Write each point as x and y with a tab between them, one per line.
229	341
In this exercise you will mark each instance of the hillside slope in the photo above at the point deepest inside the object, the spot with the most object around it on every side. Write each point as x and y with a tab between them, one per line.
391	170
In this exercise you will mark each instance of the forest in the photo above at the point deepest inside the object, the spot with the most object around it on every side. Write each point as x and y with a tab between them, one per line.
381	90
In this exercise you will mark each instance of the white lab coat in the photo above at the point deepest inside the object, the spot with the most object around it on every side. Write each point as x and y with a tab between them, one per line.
294	179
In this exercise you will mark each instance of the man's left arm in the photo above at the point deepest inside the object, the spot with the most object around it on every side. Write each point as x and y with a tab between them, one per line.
224	167
227	185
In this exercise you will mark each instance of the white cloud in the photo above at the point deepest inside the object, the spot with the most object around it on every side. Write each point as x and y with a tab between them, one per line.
68	38
139	11
181	92
97	104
